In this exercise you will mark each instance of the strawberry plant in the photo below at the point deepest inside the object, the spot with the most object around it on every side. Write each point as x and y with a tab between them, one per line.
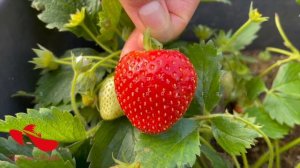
184	104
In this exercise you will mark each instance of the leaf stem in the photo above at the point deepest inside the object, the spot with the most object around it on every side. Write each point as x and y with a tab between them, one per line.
73	99
245	160
282	149
62	62
205	130
205	142
254	127
286	40
276	144
91	57
101	62
203	162
277	64
91	132
235	161
279	51
69	63
237	33
95	38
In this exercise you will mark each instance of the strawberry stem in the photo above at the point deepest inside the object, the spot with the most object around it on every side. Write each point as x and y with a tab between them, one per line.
91	132
90	57
276	144
104	60
245	161
151	43
95	38
282	149
236	162
286	40
73	97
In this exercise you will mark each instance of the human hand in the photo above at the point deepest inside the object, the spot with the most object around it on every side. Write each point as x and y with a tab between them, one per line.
166	19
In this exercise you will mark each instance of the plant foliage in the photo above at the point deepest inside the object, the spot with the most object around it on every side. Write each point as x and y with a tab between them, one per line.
233	108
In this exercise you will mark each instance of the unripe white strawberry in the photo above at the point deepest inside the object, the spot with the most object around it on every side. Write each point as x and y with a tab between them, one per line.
109	106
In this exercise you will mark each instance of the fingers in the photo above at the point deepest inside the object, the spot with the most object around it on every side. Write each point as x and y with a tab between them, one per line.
155	15
183	9
181	12
151	14
134	42
166	19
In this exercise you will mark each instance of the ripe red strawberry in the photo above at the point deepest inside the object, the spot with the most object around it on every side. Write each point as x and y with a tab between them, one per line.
155	88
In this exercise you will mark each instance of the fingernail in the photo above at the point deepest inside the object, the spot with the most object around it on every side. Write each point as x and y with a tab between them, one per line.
154	16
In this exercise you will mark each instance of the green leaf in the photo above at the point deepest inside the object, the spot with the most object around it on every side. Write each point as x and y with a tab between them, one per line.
282	102
298	2
54	87
207	63
125	26
113	138
59	159
9	148
246	33
57	13
176	148
52	123
214	157
233	136
246	37
255	87
270	127
194	109
4	164
80	150
109	18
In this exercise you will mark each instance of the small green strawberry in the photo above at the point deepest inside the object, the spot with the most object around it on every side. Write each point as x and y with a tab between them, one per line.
108	103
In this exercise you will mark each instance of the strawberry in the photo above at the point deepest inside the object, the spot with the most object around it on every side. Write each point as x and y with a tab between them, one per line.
109	106
155	88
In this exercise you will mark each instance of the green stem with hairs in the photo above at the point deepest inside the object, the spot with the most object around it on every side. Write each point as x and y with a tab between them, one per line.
277	64
245	160
286	40
62	62
95	38
282	149
90	57
279	51
205	142
91	132
276	144
73	98
104	60
236	34
235	161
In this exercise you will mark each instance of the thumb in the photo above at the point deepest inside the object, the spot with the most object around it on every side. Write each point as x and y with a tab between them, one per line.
149	14
155	15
